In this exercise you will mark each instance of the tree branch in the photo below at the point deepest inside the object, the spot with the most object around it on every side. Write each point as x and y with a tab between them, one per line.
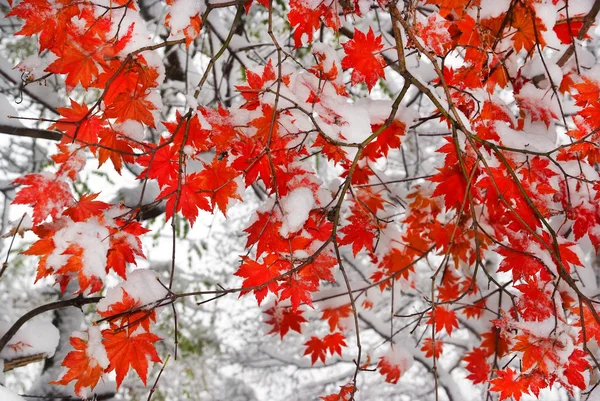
11	364
30	132
78	302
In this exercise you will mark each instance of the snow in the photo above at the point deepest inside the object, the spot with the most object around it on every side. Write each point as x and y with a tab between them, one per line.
93	239
296	207
400	356
131	129
356	124
141	284
493	8
549	14
379	111
8	395
33	67
131	196
95	349
34	337
180	14
536	67
6	109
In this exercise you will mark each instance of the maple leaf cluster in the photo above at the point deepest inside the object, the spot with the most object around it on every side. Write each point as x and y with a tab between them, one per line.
498	230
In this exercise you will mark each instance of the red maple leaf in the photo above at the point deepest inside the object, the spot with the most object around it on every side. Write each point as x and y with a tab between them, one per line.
126	350
77	124
305	20
185	197
298	290
445	318
86	207
316	348
435	34
430	348
48	195
394	364
334	343
217	179
345	394
362	54
388	139
127	314
477	365
264	232
283	319
261	274
360	233
508	385
255	85
161	164
578	364
333	315
222	132
565	30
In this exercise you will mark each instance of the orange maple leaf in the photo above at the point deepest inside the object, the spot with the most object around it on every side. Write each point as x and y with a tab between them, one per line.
130	106
527	34
82	367
126	314
218	180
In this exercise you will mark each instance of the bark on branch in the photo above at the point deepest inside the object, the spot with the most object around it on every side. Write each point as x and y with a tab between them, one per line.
30	132
10	364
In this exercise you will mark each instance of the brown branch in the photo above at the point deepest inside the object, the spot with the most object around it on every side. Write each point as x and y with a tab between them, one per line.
30	132
10	364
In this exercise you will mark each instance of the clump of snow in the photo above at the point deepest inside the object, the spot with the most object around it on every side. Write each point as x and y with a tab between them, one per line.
131	196
131	129
95	349
8	395
493	8
180	14
355	124
296	207
141	284
380	110
34	337
91	237
399	357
